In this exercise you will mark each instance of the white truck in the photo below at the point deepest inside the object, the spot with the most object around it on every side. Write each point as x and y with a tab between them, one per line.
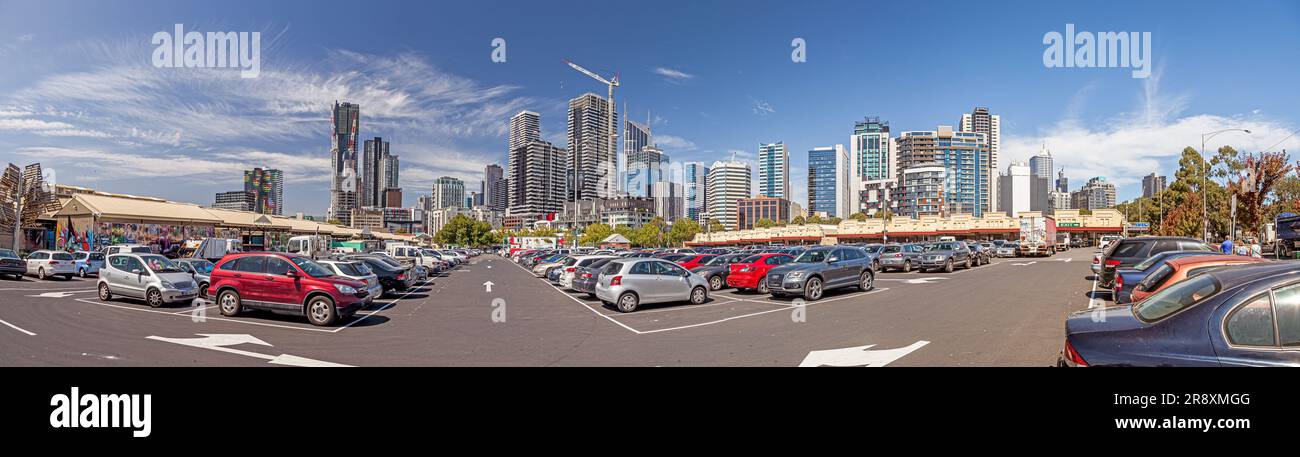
314	246
1037	236
213	249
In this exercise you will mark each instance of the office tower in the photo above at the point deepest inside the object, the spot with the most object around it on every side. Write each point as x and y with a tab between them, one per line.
670	201
1152	185
694	174
774	170
645	168
879	195
392	198
469	200
373	173
965	158
267	187
872	155
829	183
921	190
980	120
389	178
237	200
636	136
448	191
1096	194
1040	164
750	210
525	127
727	183
345	121
1014	189
535	175
592	160
494	189
1062	183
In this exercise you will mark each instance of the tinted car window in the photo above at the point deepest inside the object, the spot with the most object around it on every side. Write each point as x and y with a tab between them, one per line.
1287	306
853	254
642	268
778	260
277	266
812	256
1130	249
251	264
892	249
7	254
1158	277
667	269
1252	325
132	264
1176	297
599	263
1193	246
612	268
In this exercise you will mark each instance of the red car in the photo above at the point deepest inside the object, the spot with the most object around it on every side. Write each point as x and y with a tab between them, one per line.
749	273
286	284
694	260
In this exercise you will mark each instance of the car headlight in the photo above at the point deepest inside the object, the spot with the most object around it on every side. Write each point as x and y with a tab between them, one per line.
345	289
794	275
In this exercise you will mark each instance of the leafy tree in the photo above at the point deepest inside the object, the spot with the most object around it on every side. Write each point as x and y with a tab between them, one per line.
859	216
834	220
764	223
716	226
1260	173
466	231
682	231
798	220
594	234
814	219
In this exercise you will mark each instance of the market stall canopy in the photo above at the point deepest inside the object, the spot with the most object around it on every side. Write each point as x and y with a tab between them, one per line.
247	220
136	209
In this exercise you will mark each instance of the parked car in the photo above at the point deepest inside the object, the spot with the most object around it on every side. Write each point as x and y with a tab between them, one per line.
901	257
391	278
1008	249
716	270
45	264
286	284
1179	269
570	268
820	269
128	249
628	283
691	261
200	271
150	277
1126	252
544	266
1240	316
946	256
357	271
585	278
11	264
1127	278
750	273
88	263
979	254
1105	241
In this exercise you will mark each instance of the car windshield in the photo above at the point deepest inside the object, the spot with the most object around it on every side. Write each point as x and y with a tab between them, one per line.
160	264
943	247
348	269
310	267
1176	297
362	268
816	256
96	256
203	267
720	260
7	254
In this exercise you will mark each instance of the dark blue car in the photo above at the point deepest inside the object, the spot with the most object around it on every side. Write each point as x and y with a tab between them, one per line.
1127	278
1235	316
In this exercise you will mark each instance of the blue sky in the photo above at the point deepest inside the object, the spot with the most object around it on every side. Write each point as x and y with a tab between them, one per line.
79	94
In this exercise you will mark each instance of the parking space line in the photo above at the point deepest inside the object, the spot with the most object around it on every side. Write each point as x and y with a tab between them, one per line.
386	306
673	308
193	309
223	319
718	321
15	327
584	305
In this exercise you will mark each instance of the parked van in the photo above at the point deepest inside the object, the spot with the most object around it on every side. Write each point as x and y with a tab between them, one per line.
213	249
128	249
313	246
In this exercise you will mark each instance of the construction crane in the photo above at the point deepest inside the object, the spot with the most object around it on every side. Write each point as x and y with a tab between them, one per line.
613	131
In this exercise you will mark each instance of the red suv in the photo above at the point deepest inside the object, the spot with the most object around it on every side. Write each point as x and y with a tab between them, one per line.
286	284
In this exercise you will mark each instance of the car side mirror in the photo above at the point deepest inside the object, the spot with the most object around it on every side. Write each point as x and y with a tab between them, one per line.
832	259
291	273
135	271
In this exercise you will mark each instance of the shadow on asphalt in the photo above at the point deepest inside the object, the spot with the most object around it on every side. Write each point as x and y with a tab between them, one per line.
365	321
1100	295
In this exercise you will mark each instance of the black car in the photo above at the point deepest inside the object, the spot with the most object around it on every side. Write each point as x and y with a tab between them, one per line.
585	278
1127	252
980	254
715	272
391	278
11	264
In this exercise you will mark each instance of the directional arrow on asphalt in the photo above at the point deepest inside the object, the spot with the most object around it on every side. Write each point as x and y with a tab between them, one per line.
59	294
1025	264
218	342
488	285
858	356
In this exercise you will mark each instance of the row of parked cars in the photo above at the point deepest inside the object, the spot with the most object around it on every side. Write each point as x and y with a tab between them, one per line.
1179	302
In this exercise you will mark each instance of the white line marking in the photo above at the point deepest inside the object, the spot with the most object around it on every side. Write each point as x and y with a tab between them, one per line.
386	306
15	327
223	319
584	305
785	308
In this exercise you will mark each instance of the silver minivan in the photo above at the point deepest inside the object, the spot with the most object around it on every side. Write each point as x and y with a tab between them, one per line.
150	277
628	283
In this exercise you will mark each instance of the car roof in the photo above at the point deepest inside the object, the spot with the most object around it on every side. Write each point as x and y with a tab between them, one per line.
1231	277
1221	259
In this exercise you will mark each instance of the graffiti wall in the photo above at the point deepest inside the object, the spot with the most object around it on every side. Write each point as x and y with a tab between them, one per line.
85	235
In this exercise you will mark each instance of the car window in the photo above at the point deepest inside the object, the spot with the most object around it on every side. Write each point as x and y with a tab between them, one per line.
160	264
706	259
641	268
251	264
851	254
61	256
1287	309
892	249
132	264
1130	249
1176	297
777	260
118	262
816	256
93	256
277	266
599	263
1156	278
1252	324
612	268
1193	246
668	269
308	266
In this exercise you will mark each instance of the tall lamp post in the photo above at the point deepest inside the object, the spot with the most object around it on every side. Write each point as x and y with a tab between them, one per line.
1205	197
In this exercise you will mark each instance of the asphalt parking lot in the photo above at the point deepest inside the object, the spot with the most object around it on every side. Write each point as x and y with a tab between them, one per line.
1008	313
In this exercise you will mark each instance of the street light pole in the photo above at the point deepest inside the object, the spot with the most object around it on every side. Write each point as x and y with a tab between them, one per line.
1205	197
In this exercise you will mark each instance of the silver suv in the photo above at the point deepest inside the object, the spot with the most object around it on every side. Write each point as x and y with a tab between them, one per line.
627	283
146	276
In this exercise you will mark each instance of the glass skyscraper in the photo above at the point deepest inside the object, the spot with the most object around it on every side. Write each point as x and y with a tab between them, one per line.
828	186
774	170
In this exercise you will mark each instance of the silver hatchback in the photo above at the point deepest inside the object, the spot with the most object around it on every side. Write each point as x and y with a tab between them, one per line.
627	283
150	277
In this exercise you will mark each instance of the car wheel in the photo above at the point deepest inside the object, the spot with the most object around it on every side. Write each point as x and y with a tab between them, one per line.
203	289
591	295
907	266
968	263
875	265
762	287
81	272
628	302
104	293
866	281
812	290
698	296
40	273
154	298
321	311
715	282
947	266
228	301
67	277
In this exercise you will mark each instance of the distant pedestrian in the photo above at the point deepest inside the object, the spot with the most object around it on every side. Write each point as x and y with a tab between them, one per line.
1256	250
1226	247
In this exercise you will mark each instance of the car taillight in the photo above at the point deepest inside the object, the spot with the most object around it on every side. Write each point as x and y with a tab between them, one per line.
616	281
1073	355
570	269
746	269
586	275
1119	283
898	255
401	277
1096	260
1112	263
54	262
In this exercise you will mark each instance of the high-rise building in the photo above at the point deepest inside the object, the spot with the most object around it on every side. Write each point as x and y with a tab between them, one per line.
670	200
1014	189
237	201
750	210
636	136
1152	185
965	159
1096	194
525	127
535	183
494	188
374	173
592	160
267	187
345	121
727	183
1040	165
392	198
695	174
1062	183
448	191
980	120
829	183
873	157
774	170
879	195
389	178
645	167
921	190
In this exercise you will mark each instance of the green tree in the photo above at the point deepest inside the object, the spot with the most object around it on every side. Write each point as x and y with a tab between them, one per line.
834	221
716	226
859	216
814	219
466	231
682	231
798	220
594	234
764	223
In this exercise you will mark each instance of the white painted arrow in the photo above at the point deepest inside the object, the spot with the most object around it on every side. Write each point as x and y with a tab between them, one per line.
488	285
1025	264
217	342
924	280
60	294
858	356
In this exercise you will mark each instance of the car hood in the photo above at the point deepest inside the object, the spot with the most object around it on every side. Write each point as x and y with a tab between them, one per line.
791	267
1107	319
175	277
708	269
944	253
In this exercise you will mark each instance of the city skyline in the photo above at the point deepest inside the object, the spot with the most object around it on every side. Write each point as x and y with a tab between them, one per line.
89	91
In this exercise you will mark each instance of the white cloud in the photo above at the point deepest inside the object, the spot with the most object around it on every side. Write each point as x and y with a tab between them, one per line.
672	143
762	108
31	124
672	75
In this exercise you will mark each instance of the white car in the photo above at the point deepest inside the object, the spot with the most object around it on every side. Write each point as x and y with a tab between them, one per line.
460	258
44	264
571	266
540	269
358	271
